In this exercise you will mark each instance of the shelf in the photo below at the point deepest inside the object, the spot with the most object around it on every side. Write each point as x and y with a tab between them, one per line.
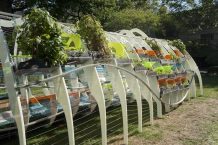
35	71
165	91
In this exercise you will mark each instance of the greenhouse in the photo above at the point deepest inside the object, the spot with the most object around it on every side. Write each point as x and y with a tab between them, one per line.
51	70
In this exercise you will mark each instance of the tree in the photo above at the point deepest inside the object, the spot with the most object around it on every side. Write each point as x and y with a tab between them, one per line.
168	26
179	5
133	18
73	10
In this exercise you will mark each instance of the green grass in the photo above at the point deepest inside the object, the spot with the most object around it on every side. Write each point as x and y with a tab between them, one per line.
212	132
151	133
189	141
210	84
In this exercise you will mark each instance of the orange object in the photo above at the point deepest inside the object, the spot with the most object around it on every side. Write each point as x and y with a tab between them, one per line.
139	51
177	52
151	53
168	57
183	79
162	82
171	81
178	80
39	98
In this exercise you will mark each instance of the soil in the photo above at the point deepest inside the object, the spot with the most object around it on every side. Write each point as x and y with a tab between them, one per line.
193	123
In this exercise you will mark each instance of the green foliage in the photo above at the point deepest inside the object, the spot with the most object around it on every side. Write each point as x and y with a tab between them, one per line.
153	44
40	36
179	45
92	32
179	5
133	18
74	10
174	57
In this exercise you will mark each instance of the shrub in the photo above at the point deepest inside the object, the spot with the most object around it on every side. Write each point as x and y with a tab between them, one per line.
93	34
153	44
179	45
40	37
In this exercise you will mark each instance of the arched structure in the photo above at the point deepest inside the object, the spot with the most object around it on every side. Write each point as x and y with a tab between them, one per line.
148	77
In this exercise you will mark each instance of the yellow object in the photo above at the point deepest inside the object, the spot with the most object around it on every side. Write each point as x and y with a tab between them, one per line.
72	41
118	49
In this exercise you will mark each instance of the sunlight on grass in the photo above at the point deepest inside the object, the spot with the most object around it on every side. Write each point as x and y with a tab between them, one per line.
210	84
213	133
151	133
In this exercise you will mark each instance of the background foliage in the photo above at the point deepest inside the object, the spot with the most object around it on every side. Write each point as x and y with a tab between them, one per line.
169	19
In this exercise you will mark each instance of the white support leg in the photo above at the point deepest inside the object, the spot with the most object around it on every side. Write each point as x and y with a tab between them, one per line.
192	92
64	100
147	95
73	82
18	116
133	84
97	91
154	85
117	84
14	100
193	66
25	99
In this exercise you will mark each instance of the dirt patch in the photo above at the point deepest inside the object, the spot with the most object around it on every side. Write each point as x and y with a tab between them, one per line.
190	124
193	123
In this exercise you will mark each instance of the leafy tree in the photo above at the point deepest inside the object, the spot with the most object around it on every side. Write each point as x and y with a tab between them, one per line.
208	14
179	5
73	10
168	26
133	18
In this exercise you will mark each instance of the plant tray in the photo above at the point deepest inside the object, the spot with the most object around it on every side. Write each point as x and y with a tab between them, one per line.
79	60
35	71
139	68
122	62
167	62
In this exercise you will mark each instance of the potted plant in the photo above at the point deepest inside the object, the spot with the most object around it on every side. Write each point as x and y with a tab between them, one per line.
40	37
156	49
92	32
179	45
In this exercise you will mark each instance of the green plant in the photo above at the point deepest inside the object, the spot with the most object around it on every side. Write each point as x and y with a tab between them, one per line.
178	44
153	44
40	36
93	34
174	57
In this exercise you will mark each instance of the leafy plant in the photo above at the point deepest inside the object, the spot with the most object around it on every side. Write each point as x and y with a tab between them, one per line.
153	44
40	36
173	56
178	44
93	34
